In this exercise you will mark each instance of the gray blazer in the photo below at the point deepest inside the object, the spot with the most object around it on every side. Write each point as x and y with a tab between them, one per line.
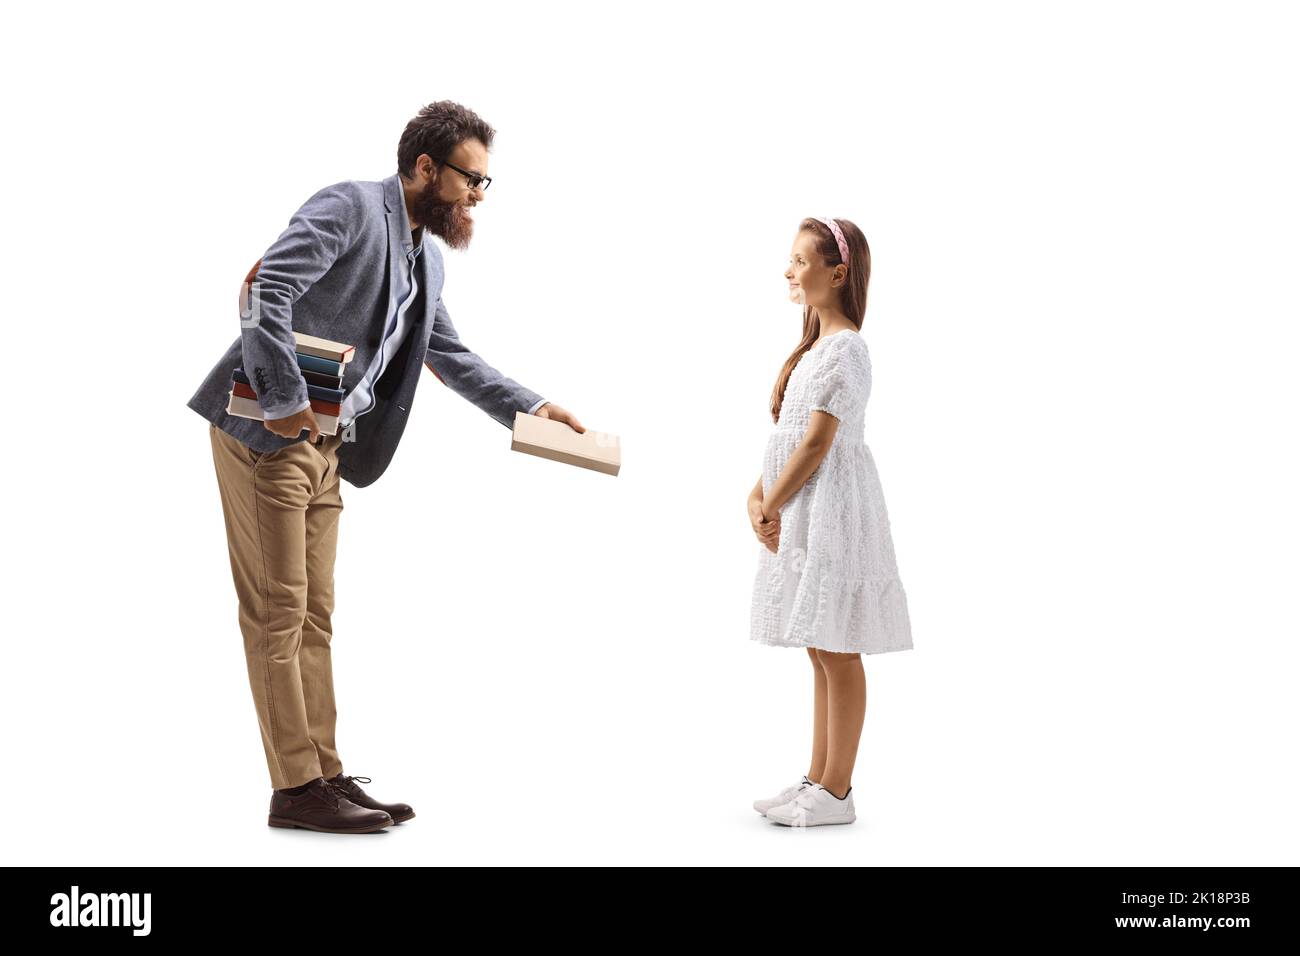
329	274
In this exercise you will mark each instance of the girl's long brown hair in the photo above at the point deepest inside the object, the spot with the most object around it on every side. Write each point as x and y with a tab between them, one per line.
853	294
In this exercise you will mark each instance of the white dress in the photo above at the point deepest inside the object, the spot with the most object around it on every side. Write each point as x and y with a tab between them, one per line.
833	582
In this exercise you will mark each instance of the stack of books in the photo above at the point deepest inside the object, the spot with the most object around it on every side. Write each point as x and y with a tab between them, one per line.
321	363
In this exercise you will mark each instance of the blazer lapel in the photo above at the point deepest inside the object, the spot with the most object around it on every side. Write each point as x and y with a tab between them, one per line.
398	224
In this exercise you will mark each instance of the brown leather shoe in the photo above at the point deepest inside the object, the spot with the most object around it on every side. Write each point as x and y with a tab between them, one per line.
324	807
398	811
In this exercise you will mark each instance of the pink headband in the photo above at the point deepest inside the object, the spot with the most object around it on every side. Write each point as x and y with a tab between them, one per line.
839	238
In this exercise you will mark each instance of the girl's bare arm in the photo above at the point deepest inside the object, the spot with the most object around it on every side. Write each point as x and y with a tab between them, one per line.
804	460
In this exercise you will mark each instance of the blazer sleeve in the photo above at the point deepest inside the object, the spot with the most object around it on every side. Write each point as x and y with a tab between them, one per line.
321	231
470	377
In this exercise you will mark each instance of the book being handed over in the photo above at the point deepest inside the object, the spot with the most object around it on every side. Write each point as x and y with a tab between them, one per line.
597	451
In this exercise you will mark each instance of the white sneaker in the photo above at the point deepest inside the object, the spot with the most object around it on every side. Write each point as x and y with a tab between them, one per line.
814	806
785	796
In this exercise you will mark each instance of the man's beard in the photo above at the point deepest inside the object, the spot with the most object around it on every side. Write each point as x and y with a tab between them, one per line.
445	219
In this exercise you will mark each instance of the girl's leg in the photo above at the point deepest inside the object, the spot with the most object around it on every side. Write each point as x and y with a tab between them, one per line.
846	687
818	766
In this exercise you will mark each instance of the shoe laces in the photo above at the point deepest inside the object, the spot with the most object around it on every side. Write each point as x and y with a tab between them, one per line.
331	793
345	782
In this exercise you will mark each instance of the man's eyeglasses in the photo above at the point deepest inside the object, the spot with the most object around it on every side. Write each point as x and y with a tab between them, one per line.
473	180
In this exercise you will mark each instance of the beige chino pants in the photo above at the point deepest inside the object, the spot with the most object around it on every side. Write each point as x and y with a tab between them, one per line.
282	516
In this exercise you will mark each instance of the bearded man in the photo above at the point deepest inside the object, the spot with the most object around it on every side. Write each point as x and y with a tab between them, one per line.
356	265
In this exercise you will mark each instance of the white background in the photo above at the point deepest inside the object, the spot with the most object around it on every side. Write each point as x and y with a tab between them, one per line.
1082	323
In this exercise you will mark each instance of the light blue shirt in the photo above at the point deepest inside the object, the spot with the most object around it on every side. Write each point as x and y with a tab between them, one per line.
362	399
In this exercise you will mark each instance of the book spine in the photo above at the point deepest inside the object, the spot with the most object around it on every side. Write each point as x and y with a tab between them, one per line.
315	364
313	391
317	405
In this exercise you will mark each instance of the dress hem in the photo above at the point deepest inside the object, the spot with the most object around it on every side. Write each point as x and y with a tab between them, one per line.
773	642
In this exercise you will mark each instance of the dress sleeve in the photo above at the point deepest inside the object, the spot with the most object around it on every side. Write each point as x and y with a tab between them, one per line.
843	381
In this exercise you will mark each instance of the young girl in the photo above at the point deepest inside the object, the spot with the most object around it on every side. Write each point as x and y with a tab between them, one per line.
827	579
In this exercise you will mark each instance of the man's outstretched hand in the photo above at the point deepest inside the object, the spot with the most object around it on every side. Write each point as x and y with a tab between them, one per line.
557	414
292	426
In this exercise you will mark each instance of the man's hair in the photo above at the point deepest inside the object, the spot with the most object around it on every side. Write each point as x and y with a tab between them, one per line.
436	130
